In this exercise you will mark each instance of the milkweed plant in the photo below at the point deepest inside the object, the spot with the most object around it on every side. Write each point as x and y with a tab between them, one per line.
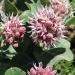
35	36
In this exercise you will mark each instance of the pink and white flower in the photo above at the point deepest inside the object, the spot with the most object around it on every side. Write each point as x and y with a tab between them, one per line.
46	27
61	7
41	71
13	30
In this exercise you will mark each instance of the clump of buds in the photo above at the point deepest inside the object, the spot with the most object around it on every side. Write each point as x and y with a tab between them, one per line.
13	30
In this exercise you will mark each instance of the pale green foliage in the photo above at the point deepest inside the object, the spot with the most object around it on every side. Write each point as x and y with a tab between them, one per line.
14	71
24	17
11	52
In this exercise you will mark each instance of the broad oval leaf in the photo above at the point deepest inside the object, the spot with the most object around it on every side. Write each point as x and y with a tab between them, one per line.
15	71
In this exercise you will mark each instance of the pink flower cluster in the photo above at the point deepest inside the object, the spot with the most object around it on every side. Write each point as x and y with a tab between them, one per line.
46	27
61	7
41	71
13	30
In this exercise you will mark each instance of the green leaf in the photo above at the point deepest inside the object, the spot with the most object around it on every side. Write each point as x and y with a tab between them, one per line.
13	1
28	5
10	56
62	43
33	7
67	55
11	52
24	17
11	49
73	72
39	5
64	67
70	21
9	7
45	2
15	71
72	3
1	38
